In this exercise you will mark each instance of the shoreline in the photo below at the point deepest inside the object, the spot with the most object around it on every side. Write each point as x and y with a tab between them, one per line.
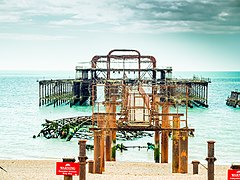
46	169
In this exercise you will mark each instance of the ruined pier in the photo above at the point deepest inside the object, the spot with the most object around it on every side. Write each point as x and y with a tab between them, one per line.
129	93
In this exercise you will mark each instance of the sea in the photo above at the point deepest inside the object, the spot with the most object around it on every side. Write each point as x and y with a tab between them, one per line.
21	118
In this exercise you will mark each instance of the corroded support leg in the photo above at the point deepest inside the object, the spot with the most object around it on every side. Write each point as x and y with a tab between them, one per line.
113	156
175	145
157	147
97	151
103	150
164	147
108	145
164	137
156	119
183	148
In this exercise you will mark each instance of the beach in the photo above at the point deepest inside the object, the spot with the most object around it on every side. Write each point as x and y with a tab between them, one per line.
46	169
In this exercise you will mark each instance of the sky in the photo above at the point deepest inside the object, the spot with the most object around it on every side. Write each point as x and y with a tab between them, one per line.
188	35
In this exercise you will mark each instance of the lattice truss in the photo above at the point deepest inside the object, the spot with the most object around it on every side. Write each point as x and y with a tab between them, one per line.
143	105
118	65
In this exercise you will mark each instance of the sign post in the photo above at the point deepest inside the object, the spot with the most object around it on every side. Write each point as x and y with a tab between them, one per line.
234	174
68	169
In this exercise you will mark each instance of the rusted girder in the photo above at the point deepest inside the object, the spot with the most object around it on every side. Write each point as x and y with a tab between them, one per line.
144	128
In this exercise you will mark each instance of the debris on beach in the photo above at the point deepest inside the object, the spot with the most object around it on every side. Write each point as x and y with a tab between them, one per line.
78	127
67	128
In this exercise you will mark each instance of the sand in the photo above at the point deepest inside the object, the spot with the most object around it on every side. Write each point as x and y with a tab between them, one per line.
46	169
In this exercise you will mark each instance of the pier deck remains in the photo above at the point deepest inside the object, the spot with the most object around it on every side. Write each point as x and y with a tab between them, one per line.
78	91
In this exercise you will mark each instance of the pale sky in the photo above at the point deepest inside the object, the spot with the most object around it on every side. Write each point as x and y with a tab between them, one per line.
197	35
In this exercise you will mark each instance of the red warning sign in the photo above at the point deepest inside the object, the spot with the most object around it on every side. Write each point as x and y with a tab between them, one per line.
233	174
67	168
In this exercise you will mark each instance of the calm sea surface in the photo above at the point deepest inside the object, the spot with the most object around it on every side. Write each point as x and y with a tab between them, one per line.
21	118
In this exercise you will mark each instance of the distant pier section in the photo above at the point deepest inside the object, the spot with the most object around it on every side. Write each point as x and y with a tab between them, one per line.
120	66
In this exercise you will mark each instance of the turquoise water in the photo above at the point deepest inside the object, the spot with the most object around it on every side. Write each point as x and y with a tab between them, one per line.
21	118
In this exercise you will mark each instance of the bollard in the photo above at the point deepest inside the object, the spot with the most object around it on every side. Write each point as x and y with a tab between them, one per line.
68	160
82	159
195	166
211	160
91	166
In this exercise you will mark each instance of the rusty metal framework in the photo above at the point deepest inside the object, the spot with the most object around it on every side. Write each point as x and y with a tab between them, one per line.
140	104
117	65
